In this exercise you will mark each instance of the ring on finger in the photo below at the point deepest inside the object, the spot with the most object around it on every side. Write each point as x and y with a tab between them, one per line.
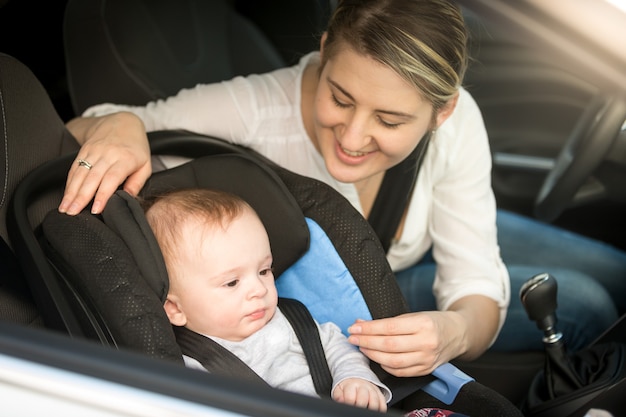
83	163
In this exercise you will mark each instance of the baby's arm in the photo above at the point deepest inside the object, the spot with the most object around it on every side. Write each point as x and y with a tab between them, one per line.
354	382
361	393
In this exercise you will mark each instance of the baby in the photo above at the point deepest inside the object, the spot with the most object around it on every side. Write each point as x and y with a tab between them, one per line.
218	257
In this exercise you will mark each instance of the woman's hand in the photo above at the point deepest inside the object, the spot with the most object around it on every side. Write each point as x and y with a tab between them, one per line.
416	343
116	150
361	393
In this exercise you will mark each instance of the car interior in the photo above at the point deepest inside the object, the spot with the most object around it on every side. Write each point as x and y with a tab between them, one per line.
556	128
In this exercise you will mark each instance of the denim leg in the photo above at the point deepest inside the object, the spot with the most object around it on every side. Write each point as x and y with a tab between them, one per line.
416	284
526	241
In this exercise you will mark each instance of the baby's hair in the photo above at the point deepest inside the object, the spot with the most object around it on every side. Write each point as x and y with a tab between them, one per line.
168	212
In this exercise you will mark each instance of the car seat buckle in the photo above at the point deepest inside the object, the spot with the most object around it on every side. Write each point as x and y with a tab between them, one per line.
449	382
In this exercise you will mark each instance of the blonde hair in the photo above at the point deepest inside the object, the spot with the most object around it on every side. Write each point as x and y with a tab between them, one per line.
424	41
169	212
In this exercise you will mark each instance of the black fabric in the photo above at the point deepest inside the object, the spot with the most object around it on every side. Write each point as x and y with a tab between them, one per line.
16	301
134	51
301	23
395	191
568	377
32	133
306	330
124	216
215	358
108	283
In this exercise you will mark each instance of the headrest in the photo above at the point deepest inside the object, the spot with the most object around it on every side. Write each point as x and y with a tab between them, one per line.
126	218
254	182
107	284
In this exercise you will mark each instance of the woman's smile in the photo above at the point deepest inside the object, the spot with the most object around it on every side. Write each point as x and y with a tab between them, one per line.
349	157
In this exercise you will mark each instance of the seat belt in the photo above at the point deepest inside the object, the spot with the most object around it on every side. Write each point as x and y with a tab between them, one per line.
394	194
219	360
215	358
306	330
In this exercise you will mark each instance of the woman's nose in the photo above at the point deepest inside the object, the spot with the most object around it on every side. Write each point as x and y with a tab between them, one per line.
355	133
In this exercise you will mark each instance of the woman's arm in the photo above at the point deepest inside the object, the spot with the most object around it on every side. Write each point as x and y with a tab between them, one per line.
115	142
116	147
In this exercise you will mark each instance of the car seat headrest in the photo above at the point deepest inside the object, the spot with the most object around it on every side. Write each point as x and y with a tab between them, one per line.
258	185
107	284
125	216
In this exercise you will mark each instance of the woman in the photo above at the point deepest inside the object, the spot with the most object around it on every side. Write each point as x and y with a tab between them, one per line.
388	75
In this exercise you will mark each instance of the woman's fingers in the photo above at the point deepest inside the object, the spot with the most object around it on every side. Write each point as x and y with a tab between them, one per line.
81	186
394	334
100	182
115	151
406	345
402	364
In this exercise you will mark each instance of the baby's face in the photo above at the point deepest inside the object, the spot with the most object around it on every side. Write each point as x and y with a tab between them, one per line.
225	285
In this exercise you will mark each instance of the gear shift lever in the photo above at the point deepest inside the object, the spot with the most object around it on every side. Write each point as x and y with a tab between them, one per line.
538	296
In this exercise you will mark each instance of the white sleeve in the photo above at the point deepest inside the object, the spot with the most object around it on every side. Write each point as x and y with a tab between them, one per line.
463	214
345	360
209	109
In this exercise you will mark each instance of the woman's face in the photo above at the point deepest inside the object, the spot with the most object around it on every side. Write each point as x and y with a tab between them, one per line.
367	118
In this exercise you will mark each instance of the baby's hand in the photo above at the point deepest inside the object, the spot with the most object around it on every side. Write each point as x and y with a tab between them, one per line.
359	392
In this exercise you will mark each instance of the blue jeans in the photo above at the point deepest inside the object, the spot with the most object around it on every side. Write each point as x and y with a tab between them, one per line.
591	279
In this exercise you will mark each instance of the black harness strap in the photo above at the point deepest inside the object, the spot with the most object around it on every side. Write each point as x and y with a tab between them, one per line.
394	193
219	360
304	326
214	357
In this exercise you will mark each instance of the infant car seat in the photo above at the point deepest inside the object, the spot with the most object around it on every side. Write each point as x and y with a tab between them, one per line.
111	279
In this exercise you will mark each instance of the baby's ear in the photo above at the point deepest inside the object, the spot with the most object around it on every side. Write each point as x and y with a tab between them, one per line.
174	312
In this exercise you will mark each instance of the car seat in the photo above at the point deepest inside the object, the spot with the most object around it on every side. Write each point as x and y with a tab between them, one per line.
134	51
26	113
114	283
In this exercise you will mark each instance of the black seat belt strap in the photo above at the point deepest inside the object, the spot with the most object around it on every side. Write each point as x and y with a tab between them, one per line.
394	194
219	360
214	357
306	330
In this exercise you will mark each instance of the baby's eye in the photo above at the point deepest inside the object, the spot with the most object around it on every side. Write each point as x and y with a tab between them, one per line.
339	103
232	283
266	271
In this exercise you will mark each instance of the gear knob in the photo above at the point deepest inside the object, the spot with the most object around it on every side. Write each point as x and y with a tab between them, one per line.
538	296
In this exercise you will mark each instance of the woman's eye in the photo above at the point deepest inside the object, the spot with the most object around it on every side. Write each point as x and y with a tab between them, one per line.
339	103
388	125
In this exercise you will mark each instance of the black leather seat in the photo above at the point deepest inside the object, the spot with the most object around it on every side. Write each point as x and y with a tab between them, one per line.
134	51
32	133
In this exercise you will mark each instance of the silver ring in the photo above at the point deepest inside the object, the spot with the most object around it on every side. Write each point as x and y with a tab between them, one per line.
83	163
